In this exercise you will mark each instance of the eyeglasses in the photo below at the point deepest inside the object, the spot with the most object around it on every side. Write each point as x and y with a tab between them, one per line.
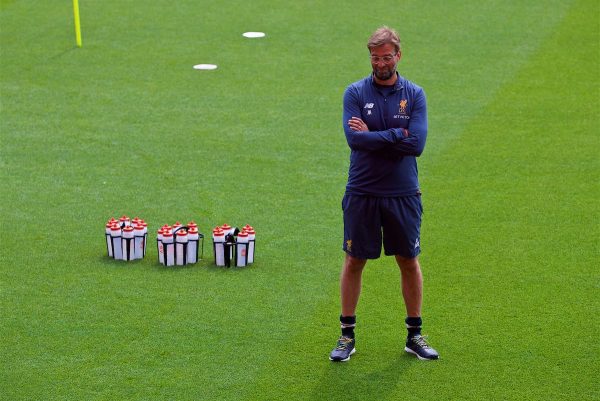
386	59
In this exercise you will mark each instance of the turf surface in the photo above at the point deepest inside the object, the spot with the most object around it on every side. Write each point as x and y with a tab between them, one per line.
510	177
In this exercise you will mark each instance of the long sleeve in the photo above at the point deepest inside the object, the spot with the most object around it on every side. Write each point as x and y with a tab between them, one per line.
383	157
414	143
392	140
363	140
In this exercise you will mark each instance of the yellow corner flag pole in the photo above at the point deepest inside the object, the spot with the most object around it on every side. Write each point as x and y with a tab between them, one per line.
77	24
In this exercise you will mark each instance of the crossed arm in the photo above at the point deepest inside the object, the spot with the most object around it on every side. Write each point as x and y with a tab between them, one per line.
401	141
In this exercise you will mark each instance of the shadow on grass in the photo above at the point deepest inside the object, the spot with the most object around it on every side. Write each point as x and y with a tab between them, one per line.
150	263
62	53
362	379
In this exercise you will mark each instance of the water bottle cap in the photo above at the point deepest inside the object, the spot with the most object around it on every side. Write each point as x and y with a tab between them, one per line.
225	226
192	224
193	230
166	227
248	227
251	231
167	233
123	218
160	231
218	233
243	234
115	227
182	232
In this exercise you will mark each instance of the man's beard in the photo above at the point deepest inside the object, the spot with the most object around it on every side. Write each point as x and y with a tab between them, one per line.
383	74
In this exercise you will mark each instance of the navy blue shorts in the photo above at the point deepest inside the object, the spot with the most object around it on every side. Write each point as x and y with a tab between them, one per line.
369	221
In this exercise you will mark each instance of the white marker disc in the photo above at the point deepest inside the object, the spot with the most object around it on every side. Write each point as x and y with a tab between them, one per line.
254	34
205	67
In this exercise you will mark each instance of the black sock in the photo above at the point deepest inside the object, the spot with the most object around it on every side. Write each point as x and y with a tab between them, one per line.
413	325
348	323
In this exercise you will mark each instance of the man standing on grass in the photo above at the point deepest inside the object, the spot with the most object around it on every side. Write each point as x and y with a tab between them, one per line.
385	121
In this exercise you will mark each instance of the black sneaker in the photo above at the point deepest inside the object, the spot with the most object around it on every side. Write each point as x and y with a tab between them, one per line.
343	350
418	346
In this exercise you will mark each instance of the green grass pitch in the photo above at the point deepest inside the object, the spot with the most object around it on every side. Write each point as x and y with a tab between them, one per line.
125	125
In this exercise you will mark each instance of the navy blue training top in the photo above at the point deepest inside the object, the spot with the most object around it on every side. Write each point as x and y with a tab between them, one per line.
383	159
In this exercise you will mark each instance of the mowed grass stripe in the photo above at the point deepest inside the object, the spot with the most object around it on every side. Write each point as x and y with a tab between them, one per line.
516	213
466	53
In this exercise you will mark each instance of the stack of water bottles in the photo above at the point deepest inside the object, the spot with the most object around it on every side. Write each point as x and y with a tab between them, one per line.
232	245
125	238
179	245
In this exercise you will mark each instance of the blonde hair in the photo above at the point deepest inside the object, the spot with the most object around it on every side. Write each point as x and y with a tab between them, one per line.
382	36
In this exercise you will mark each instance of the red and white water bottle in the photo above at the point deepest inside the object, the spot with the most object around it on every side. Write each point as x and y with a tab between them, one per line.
181	243
227	229
128	243
219	247
138	239
242	249
145	225
169	248
160	247
109	248
251	238
192	248
176	226
115	237
124	221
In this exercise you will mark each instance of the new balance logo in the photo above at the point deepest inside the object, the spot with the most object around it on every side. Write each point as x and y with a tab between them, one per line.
417	243
369	105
